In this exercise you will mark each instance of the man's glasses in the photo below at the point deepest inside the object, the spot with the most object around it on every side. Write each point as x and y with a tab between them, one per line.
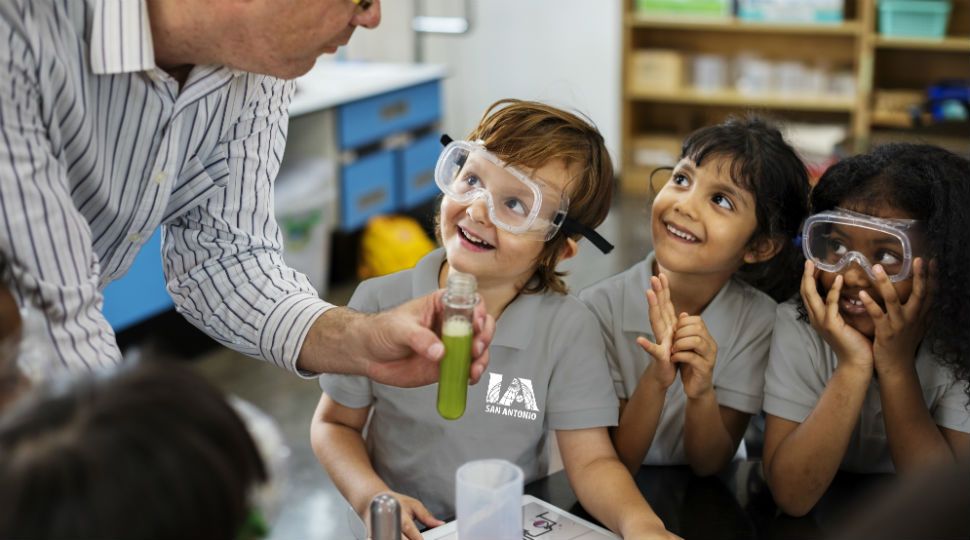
363	4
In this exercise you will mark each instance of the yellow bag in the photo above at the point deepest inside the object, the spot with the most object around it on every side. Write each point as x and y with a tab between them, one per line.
390	244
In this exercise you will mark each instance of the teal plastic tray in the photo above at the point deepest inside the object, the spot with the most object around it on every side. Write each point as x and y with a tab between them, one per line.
914	18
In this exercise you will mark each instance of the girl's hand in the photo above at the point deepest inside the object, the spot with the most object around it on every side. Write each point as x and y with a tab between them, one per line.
411	509
651	532
901	327
694	351
849	345
663	321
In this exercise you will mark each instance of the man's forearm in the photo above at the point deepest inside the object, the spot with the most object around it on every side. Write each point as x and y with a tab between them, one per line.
334	343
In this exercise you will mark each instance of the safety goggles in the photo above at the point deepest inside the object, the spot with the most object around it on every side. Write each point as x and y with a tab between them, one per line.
836	238
517	203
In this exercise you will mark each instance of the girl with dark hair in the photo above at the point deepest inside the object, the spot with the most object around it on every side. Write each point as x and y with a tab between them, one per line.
153	452
723	230
857	377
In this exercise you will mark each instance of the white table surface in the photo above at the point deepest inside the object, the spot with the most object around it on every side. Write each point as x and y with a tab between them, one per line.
332	83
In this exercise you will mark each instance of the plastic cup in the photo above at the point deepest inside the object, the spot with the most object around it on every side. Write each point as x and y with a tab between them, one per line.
488	500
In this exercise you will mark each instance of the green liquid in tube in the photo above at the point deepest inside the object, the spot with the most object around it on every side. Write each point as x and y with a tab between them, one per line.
456	334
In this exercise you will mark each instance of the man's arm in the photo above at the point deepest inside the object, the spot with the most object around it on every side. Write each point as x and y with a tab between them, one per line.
225	271
223	258
46	242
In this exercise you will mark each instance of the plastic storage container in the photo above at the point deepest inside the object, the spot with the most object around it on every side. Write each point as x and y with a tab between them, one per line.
800	11
690	8
306	211
914	18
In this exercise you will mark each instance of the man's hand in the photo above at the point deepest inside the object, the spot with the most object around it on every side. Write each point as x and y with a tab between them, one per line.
397	347
403	348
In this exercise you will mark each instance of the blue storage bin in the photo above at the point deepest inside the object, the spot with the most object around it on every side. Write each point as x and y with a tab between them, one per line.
369	120
914	18
367	189
417	171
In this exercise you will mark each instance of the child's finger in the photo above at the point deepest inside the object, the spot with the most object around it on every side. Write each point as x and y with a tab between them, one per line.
668	304
656	286
690	343
872	308
914	304
652	348
894	309
832	300
809	291
409	530
657	323
424	516
691	325
692	359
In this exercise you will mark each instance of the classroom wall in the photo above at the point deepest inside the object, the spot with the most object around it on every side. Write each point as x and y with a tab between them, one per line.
565	52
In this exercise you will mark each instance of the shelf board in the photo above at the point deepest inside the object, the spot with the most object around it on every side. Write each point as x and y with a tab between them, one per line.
732	98
955	44
846	28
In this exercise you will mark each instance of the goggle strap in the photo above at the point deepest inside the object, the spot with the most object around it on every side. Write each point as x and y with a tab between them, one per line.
568	225
571	226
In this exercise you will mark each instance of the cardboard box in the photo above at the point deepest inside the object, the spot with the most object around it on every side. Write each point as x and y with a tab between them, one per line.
656	70
649	152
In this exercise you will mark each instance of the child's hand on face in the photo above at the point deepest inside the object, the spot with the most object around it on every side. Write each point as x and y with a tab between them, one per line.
850	346
900	328
411	509
663	322
694	351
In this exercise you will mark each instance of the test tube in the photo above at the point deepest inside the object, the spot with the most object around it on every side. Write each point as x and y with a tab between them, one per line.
456	334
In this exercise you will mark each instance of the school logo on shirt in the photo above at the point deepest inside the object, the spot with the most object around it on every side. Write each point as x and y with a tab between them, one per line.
518	400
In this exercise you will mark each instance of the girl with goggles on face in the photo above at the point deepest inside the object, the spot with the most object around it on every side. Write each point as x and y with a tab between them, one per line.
519	193
857	378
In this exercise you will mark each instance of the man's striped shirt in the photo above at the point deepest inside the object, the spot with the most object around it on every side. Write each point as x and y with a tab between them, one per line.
99	147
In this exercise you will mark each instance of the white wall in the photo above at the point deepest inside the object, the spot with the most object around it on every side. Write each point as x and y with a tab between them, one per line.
565	52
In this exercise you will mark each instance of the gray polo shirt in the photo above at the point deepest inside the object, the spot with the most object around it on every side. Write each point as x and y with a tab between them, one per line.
547	371
739	318
801	365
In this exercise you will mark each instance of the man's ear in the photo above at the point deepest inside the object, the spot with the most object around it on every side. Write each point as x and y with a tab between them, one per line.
763	249
569	250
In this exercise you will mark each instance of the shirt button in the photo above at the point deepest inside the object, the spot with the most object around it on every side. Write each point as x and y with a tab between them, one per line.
159	177
134	238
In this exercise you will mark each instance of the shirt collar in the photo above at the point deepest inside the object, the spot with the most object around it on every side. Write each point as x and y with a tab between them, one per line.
121	37
518	319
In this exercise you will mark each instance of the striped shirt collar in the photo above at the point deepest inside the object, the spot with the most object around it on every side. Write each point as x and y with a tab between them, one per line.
121	37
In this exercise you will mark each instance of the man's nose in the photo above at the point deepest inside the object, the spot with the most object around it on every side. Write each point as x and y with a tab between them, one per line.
369	18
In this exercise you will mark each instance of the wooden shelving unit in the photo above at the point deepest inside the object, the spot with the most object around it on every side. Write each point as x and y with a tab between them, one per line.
733	98
953	44
877	63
